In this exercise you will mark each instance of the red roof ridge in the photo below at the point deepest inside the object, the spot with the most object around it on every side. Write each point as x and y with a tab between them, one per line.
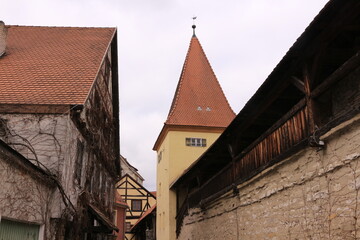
73	27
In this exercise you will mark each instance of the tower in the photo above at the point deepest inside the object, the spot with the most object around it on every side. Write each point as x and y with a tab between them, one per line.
199	113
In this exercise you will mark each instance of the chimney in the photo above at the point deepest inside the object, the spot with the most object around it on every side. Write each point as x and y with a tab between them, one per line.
3	33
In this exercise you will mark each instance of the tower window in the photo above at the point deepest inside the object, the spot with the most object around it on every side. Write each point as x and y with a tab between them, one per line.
196	142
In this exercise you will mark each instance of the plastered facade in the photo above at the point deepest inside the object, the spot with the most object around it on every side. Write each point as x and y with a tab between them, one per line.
311	195
174	157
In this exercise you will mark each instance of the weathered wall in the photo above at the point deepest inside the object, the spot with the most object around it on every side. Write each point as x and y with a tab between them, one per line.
23	196
78	146
126	168
41	138
97	125
49	142
312	195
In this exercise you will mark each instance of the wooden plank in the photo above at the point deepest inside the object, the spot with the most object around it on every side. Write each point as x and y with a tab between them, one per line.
280	122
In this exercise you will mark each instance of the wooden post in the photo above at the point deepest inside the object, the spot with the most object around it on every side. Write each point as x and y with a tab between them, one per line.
311	106
233	170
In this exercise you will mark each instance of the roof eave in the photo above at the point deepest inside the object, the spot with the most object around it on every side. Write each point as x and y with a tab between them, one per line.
37	108
178	127
242	117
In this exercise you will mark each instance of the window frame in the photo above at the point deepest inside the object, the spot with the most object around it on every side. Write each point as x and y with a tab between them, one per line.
133	202
80	151
195	142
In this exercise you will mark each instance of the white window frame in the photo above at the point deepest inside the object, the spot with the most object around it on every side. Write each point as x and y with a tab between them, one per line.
195	142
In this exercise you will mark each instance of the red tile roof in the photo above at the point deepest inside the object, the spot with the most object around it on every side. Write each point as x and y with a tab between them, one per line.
51	65
199	99
119	200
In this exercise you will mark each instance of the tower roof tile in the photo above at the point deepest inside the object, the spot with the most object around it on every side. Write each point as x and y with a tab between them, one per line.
199	99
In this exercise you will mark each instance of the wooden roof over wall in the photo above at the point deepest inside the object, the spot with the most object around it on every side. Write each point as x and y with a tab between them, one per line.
327	50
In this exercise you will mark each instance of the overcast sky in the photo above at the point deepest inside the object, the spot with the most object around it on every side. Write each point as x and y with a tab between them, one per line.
243	40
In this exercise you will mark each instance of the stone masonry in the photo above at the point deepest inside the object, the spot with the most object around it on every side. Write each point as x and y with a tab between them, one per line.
314	194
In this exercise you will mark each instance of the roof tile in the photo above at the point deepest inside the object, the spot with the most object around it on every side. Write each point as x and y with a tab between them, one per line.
199	99
51	65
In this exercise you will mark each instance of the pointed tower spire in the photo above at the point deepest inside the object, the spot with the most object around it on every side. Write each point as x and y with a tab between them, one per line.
199	99
198	115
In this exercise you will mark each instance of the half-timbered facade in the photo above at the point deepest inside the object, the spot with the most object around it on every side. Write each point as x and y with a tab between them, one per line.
59	109
139	200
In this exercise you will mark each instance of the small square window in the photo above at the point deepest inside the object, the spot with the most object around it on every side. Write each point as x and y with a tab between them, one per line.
136	205
195	142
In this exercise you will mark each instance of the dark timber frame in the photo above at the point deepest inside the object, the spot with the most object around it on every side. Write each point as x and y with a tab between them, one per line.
129	184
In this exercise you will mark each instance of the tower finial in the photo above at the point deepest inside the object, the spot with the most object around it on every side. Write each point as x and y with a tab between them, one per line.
194	26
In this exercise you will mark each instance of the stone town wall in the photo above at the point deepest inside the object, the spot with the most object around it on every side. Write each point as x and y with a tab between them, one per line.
311	195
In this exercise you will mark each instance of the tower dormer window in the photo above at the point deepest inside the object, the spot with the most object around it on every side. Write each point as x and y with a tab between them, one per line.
196	142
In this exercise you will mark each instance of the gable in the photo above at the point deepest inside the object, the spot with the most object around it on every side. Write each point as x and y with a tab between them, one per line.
135	195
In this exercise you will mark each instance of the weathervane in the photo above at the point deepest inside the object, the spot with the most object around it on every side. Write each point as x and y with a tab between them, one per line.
194	26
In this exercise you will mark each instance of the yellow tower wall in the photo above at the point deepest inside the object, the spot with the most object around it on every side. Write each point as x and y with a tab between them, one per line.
174	157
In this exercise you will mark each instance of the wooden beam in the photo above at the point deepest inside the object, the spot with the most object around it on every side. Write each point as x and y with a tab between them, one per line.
275	126
344	16
34	108
298	83
309	101
340	73
98	229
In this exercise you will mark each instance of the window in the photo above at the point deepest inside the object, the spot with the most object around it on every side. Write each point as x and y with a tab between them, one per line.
18	230
136	205
196	142
79	161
